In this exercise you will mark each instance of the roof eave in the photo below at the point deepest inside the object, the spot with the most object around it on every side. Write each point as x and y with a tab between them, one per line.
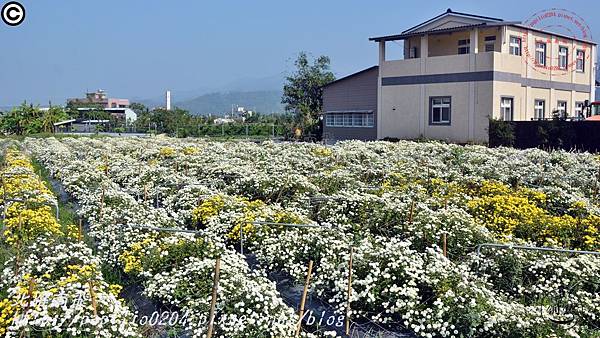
517	24
451	12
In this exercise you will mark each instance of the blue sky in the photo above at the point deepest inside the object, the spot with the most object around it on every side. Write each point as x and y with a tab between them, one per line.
138	48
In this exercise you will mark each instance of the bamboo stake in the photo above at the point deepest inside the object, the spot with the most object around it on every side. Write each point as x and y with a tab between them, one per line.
303	299
80	235
93	296
241	239
29	294
445	244
18	247
17	259
145	193
102	203
29	298
213	301
349	291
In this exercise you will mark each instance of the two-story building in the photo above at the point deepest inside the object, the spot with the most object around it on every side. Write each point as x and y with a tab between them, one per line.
459	70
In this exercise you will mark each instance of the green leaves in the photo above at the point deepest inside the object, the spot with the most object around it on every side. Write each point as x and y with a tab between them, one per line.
303	91
28	119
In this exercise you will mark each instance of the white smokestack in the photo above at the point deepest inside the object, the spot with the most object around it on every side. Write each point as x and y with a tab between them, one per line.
168	99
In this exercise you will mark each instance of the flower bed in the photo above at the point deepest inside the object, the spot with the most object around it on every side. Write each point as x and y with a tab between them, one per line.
52	284
176	269
390	202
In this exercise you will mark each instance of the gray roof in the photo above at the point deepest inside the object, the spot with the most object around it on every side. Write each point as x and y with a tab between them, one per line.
495	23
351	75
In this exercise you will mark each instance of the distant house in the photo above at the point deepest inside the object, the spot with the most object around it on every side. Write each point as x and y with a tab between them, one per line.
100	98
457	71
350	107
125	114
80	126
223	120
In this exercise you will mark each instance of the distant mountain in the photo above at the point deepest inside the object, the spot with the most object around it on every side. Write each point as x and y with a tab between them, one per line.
263	101
267	83
262	92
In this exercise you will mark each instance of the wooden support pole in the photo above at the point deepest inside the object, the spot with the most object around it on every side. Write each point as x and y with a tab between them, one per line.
102	203
80	235
213	300
17	259
445	244
29	298
349	292
93	296
411	212
30	293
241	239
18	247
303	299
145	193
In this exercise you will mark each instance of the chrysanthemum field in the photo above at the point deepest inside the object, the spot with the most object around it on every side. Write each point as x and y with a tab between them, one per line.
412	218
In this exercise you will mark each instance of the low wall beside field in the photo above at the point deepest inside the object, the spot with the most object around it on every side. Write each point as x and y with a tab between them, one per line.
553	134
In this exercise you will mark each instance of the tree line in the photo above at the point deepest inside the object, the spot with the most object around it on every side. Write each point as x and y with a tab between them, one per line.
302	97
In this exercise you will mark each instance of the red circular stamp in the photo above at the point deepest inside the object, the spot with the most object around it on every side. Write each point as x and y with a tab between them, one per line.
558	27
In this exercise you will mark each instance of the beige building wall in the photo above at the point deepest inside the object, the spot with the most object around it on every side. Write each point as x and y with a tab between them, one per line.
399	111
446	44
551	71
404	109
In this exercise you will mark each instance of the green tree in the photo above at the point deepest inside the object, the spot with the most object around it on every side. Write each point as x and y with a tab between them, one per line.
303	90
23	119
138	108
29	119
51	116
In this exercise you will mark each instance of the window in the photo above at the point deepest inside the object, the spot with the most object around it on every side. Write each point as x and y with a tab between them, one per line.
413	53
357	120
338	120
464	46
439	110
515	45
579	109
563	57
490	43
540	53
329	120
349	119
539	109
370	120
579	66
506	108
561	109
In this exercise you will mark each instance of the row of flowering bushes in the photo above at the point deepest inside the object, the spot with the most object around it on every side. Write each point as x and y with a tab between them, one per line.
51	284
175	269
391	203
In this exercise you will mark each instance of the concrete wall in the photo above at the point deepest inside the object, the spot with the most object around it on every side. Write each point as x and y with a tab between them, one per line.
405	110
476	82
551	72
355	92
446	44
117	103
